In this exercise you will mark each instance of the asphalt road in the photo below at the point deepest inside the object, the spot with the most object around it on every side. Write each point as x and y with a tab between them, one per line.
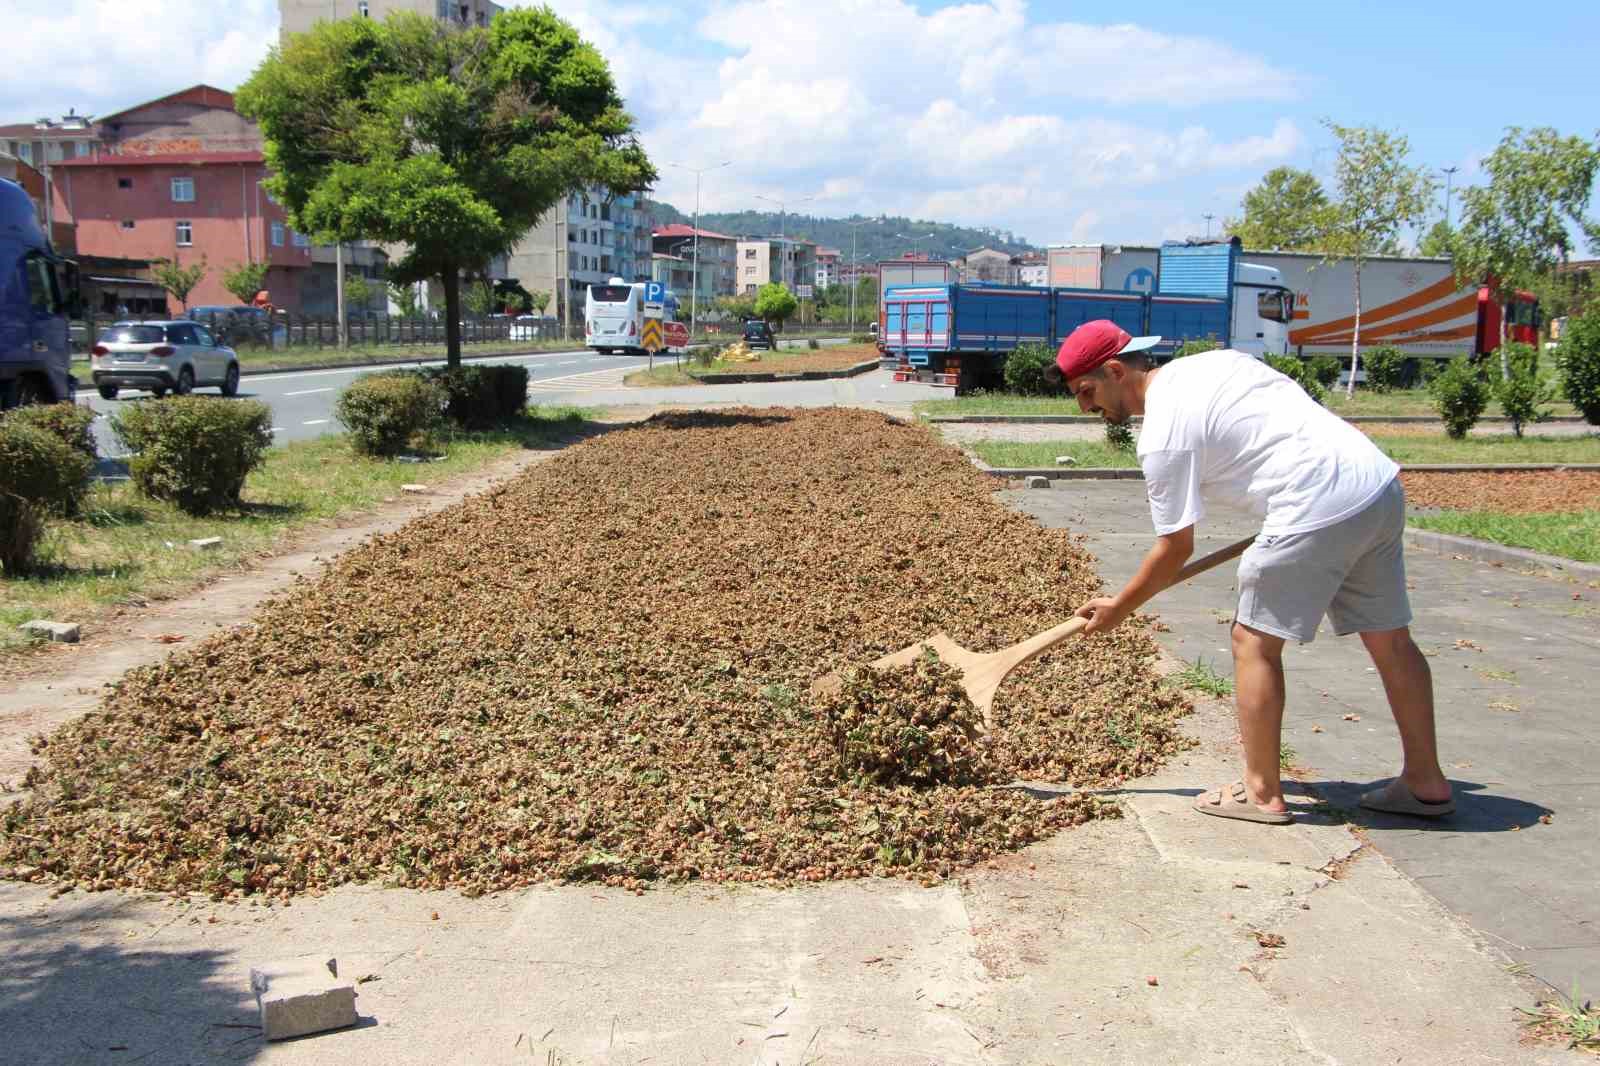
302	400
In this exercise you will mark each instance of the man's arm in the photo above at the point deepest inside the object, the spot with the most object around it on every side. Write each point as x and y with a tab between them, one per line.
1160	566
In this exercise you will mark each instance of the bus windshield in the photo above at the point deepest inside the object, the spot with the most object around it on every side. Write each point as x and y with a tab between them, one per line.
610	294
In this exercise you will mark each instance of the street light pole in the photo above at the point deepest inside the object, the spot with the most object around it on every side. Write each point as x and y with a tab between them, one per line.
781	235
694	273
855	281
914	240
1449	172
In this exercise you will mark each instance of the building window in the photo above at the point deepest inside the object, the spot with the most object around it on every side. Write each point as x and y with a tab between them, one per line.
749	253
443	9
183	190
124	183
25	152
185	233
127	223
362	8
53	151
301	240
572	236
80	148
277	234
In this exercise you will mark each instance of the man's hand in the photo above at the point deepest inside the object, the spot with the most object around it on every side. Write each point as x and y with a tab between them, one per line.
1103	614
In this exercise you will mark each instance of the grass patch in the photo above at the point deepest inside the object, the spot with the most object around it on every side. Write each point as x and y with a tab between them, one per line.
669	371
1571	535
127	548
1571	1019
259	360
1286	756
1199	676
1408	450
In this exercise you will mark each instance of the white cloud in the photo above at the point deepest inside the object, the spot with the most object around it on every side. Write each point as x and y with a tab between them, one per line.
100	56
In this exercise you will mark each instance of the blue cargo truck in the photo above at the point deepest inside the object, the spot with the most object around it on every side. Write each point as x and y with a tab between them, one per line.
38	292
960	335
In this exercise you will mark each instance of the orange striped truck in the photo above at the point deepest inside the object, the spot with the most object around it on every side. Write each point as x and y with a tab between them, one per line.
1413	304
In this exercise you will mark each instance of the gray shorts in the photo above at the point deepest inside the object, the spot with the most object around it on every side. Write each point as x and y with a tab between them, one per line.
1353	571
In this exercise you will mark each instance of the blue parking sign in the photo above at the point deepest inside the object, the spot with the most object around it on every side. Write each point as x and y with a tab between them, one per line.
654	292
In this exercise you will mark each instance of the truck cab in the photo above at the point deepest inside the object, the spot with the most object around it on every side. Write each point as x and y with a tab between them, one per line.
1263	307
38	293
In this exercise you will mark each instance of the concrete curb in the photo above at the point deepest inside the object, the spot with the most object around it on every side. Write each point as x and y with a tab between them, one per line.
802	375
1499	420
1481	551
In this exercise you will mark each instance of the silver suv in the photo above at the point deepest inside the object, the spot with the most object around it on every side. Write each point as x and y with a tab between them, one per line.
177	356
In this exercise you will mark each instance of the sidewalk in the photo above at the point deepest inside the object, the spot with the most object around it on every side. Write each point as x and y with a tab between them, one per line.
1513	660
1150	939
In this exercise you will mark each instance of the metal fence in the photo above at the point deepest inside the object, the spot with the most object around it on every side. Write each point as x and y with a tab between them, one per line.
285	329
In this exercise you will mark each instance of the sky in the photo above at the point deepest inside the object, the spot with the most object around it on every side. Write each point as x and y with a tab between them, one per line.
1057	122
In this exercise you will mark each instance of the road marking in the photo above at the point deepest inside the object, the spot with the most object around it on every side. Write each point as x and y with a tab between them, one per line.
277	429
308	392
316	422
289	375
588	381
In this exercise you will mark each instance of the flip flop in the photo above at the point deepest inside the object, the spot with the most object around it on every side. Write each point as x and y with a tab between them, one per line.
1396	798
1233	801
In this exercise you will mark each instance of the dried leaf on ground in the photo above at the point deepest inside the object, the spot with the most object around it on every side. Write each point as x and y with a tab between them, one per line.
600	671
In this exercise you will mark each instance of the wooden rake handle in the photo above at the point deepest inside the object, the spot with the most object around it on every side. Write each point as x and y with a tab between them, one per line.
1010	658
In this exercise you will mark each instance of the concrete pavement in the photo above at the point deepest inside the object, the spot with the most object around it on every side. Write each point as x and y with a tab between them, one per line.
1513	659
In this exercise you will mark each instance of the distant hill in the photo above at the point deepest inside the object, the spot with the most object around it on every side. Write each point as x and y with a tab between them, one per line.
875	238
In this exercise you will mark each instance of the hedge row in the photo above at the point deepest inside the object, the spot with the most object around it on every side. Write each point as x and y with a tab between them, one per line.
47	462
390	412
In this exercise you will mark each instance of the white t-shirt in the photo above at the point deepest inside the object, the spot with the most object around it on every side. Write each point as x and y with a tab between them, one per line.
1227	427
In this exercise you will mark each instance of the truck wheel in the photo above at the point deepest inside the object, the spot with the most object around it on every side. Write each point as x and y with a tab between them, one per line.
108	392
185	383
230	384
31	389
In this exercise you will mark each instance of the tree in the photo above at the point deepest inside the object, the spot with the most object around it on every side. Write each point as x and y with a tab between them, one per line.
357	292
1378	194
539	300
1438	241
1518	227
245	280
774	303
451	141
178	279
404	298
479	297
1287	210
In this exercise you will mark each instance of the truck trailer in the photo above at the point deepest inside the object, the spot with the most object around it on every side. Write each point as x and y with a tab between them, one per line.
38	290
960	335
1411	303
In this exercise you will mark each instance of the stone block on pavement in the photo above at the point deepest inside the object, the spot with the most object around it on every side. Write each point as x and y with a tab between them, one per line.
60	632
1037	481
302	996
417	489
203	543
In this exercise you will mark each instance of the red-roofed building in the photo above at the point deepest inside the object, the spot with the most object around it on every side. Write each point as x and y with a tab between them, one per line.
716	273
180	178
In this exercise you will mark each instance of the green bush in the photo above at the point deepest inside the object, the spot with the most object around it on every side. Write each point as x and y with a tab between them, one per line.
1386	368
1520	392
194	450
1299	371
382	412
37	466
812	344
1326	369
74	425
21	526
1025	370
1196	347
1578	360
1120	436
862	338
1459	394
478	397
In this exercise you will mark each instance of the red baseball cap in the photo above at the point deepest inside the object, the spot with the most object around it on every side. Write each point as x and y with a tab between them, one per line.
1092	343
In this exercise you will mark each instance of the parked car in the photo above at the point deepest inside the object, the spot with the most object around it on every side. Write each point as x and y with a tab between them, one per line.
758	334
534	327
177	356
235	323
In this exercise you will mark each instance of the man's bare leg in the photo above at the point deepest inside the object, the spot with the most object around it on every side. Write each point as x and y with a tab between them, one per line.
1258	695
1408	682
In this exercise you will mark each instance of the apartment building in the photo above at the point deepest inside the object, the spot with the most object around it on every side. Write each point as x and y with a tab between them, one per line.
180	178
762	260
718	256
298	16
1032	269
827	267
588	239
986	264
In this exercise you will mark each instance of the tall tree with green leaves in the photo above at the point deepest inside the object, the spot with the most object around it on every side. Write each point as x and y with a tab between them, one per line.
774	303
539	299
1439	241
1516	229
178	279
245	280
1378	194
450	141
1287	210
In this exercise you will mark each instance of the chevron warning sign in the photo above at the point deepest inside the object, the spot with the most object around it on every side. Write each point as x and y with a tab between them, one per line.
650	336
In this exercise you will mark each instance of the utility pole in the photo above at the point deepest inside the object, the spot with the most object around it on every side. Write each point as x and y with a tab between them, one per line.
338	286
1208	217
855	279
694	275
782	250
1449	172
